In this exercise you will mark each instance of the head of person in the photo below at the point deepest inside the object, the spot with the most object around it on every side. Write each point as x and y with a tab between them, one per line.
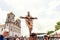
5	33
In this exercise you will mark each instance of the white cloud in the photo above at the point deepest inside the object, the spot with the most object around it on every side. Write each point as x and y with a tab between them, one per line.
53	4
3	15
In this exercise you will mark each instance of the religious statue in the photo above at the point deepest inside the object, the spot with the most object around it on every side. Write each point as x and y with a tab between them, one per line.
29	21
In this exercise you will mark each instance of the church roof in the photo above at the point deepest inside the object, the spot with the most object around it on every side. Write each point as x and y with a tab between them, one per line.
2	25
11	13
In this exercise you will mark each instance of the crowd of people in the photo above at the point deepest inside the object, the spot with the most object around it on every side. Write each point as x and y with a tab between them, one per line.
5	36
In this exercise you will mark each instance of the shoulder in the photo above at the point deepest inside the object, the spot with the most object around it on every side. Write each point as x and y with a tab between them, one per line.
1	37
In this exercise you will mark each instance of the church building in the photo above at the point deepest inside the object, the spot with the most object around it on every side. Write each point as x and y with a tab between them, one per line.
12	25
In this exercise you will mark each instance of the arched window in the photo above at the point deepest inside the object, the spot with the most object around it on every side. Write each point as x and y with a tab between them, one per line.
2	29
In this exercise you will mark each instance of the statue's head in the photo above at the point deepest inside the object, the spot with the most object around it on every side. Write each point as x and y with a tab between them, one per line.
28	13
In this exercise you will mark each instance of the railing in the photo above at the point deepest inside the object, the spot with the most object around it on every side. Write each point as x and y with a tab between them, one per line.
53	38
12	38
48	38
39	38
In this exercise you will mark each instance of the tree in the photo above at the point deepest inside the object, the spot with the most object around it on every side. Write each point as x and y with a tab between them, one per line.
57	27
49	32
58	23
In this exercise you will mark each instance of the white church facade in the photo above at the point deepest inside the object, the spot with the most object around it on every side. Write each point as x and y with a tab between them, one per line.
12	25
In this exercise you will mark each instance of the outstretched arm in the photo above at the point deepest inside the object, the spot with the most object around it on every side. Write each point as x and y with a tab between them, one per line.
34	18
24	17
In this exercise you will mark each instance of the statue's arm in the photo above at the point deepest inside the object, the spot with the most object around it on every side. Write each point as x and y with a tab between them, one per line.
34	18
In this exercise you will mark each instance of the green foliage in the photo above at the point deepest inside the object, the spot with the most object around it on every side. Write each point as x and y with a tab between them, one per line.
58	23
49	32
57	27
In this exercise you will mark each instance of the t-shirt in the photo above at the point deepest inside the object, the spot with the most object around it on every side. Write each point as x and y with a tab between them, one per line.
2	38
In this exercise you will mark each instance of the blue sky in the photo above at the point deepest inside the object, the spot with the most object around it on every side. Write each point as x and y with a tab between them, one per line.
47	12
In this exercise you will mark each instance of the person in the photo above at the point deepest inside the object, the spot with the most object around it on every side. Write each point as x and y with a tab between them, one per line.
17	39
33	36
4	35
46	37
